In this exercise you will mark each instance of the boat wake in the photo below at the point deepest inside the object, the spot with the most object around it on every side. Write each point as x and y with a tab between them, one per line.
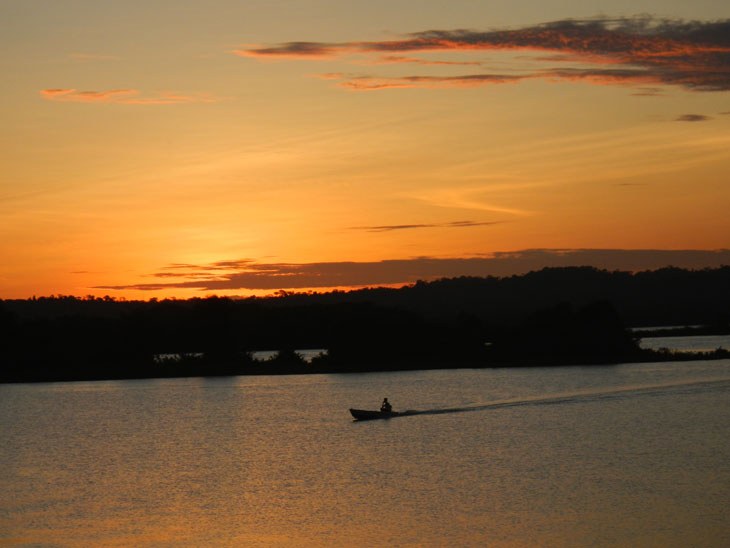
584	396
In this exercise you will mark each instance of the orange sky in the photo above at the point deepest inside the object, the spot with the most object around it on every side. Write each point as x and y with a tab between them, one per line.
183	148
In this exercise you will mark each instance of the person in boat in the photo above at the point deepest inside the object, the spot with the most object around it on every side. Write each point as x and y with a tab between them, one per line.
385	407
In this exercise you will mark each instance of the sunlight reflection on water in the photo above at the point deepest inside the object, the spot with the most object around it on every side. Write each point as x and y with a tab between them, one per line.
697	343
623	455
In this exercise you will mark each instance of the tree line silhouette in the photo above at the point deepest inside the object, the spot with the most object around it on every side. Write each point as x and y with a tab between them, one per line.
549	317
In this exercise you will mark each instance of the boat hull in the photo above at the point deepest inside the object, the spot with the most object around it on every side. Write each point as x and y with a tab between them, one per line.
365	415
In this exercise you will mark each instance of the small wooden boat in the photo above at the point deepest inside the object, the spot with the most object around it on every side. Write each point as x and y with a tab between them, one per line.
364	415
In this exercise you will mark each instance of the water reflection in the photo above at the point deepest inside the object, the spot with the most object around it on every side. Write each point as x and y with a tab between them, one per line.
616	456
698	343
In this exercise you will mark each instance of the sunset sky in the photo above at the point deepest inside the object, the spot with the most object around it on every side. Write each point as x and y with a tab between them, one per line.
181	148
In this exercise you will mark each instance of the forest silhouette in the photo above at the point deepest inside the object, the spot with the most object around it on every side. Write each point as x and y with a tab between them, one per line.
555	316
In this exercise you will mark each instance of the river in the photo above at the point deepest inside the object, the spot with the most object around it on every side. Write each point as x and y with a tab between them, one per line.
695	343
626	455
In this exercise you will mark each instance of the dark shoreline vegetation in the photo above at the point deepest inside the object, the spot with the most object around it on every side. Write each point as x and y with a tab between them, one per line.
555	316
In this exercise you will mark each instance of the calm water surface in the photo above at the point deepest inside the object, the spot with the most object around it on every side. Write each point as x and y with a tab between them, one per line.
697	343
629	455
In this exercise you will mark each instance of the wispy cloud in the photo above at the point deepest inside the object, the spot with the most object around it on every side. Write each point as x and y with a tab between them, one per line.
251	275
294	50
403	59
88	57
648	92
123	97
692	118
455	224
641	50
469	80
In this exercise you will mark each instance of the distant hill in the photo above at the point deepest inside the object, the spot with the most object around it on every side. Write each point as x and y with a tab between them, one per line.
669	296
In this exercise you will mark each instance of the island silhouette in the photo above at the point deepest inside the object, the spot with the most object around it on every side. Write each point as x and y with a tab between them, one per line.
555	316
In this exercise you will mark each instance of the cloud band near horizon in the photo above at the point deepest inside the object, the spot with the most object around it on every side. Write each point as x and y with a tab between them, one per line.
643	50
250	275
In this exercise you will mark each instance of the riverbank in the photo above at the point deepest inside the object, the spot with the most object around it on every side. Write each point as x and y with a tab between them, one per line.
202	366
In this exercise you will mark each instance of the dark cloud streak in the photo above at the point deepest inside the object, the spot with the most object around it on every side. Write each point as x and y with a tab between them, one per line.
692	118
275	276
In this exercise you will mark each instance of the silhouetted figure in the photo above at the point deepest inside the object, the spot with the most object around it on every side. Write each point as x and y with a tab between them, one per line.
385	407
